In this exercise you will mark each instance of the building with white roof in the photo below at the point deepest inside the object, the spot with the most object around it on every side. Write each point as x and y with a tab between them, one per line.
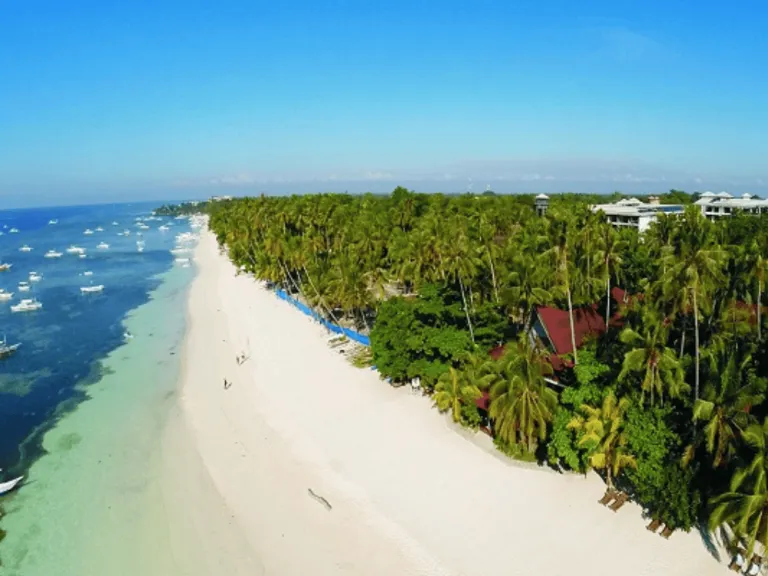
723	204
633	213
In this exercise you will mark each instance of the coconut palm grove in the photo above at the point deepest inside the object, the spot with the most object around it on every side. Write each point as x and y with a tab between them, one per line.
572	343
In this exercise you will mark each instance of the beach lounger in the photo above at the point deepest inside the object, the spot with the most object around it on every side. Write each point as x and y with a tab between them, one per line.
621	499
738	562
755	566
667	532
654	525
609	495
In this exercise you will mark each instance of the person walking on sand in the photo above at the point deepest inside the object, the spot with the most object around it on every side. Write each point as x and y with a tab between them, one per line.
227	384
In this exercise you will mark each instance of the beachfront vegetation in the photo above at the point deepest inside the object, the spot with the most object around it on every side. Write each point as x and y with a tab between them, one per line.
666	402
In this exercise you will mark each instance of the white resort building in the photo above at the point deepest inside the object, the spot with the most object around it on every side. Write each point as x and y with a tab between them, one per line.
633	213
723	204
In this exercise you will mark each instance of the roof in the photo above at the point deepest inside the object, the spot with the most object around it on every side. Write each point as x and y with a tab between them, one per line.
587	321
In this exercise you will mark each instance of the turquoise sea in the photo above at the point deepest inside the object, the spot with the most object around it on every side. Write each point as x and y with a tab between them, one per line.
84	400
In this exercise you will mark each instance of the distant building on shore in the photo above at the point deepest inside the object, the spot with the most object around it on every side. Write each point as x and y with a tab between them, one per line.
715	206
633	213
220	198
542	203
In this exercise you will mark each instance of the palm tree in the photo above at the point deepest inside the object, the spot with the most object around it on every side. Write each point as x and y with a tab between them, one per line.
732	391
455	389
602	432
558	255
525	290
608	254
744	508
521	402
698	271
657	365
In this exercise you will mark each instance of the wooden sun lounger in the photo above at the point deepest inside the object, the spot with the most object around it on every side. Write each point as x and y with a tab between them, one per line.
667	532
621	499
609	495
654	525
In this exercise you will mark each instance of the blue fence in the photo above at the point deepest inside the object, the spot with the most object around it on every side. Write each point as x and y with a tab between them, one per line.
351	334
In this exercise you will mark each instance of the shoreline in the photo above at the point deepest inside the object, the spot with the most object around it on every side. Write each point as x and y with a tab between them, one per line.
408	494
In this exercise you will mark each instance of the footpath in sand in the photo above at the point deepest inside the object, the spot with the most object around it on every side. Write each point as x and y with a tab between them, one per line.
408	494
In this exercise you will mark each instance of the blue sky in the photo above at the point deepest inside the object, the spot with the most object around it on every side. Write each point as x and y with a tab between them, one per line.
176	98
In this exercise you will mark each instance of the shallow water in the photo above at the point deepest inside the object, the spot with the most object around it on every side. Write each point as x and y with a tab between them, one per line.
84	406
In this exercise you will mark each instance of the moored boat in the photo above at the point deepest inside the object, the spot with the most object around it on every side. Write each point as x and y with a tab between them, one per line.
103	246
5	267
89	289
53	254
23	286
6	349
25	248
10	485
27	305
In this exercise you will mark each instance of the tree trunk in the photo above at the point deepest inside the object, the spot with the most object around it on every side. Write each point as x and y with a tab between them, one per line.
696	337
573	330
759	295
320	298
493	277
608	301
608	475
682	340
466	310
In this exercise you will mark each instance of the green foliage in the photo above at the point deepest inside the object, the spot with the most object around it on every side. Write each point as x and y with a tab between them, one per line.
434	277
420	336
659	483
589	388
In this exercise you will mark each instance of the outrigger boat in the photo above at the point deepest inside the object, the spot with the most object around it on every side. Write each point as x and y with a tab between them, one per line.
10	485
6	350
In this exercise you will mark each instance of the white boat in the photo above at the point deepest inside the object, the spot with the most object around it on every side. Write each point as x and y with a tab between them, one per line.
182	260
164	228
83	256
75	250
27	305
52	254
10	485
25	248
88	232
143	226
127	335
181	250
87	273
23	286
126	232
14	230
5	267
89	289
115	224
35	277
5	296
99	229
140	246
103	246
53	221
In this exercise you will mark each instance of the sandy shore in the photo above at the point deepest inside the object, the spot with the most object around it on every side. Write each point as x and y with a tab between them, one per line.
408	493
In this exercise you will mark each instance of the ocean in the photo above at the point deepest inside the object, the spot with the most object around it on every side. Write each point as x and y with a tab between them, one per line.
84	400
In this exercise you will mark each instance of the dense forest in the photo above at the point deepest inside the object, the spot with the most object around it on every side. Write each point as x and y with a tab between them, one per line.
666	403
183	209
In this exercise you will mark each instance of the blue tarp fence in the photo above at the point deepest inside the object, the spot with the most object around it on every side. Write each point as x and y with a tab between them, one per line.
351	334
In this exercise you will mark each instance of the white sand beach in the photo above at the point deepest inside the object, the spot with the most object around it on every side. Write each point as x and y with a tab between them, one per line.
409	493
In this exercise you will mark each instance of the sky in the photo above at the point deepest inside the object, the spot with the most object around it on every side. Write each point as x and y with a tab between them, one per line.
109	101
